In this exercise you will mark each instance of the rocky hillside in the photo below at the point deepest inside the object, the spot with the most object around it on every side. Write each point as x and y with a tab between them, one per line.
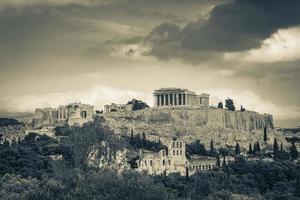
223	126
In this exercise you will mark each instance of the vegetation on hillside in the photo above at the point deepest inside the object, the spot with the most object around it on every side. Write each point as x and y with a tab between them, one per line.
40	167
9	122
137	104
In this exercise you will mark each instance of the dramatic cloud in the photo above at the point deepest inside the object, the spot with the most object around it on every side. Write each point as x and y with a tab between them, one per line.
231	27
241	25
28	3
284	45
54	51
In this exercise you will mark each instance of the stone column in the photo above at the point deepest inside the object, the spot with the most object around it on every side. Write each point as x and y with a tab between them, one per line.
161	99
157	100
171	102
167	99
173	99
186	99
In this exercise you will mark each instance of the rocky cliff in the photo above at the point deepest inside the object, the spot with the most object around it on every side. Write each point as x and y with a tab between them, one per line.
223	126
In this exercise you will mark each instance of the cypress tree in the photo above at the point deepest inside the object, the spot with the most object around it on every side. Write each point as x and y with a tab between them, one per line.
275	147
250	149
293	152
257	146
131	138
281	147
218	161
224	162
187	173
237	149
212	149
265	134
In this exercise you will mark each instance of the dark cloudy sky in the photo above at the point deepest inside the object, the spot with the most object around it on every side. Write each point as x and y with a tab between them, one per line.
97	51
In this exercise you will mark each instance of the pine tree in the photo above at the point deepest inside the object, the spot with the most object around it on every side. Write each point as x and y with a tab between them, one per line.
229	104
293	152
281	146
237	149
220	105
265	134
275	148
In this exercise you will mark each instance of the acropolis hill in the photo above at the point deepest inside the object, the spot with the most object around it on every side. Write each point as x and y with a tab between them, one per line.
184	114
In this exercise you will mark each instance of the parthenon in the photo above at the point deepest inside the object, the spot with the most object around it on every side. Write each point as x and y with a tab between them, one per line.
179	97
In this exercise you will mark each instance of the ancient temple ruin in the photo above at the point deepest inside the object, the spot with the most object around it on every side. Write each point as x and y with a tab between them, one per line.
73	114
178	97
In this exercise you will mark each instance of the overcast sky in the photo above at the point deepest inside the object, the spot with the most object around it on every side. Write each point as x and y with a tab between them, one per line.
101	51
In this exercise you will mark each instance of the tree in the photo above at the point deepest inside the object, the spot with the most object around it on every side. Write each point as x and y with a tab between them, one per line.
212	149
297	189
242	108
131	141
218	161
220	105
229	104
281	146
293	152
137	104
275	147
63	130
265	134
224	152
256	148
237	149
250	149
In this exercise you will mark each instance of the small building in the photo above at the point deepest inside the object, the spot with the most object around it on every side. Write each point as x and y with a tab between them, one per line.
118	108
173	160
73	114
76	113
179	97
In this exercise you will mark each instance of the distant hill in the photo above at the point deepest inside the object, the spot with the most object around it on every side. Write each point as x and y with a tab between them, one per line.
9	121
25	117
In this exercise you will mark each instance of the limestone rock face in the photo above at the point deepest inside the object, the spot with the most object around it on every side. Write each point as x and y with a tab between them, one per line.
223	126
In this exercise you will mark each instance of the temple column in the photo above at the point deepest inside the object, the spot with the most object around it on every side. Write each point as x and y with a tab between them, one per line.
161	100
165	100
157	100
186	99
173	99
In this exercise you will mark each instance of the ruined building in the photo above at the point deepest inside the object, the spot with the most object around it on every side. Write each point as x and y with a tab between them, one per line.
179	97
73	114
173	160
118	108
